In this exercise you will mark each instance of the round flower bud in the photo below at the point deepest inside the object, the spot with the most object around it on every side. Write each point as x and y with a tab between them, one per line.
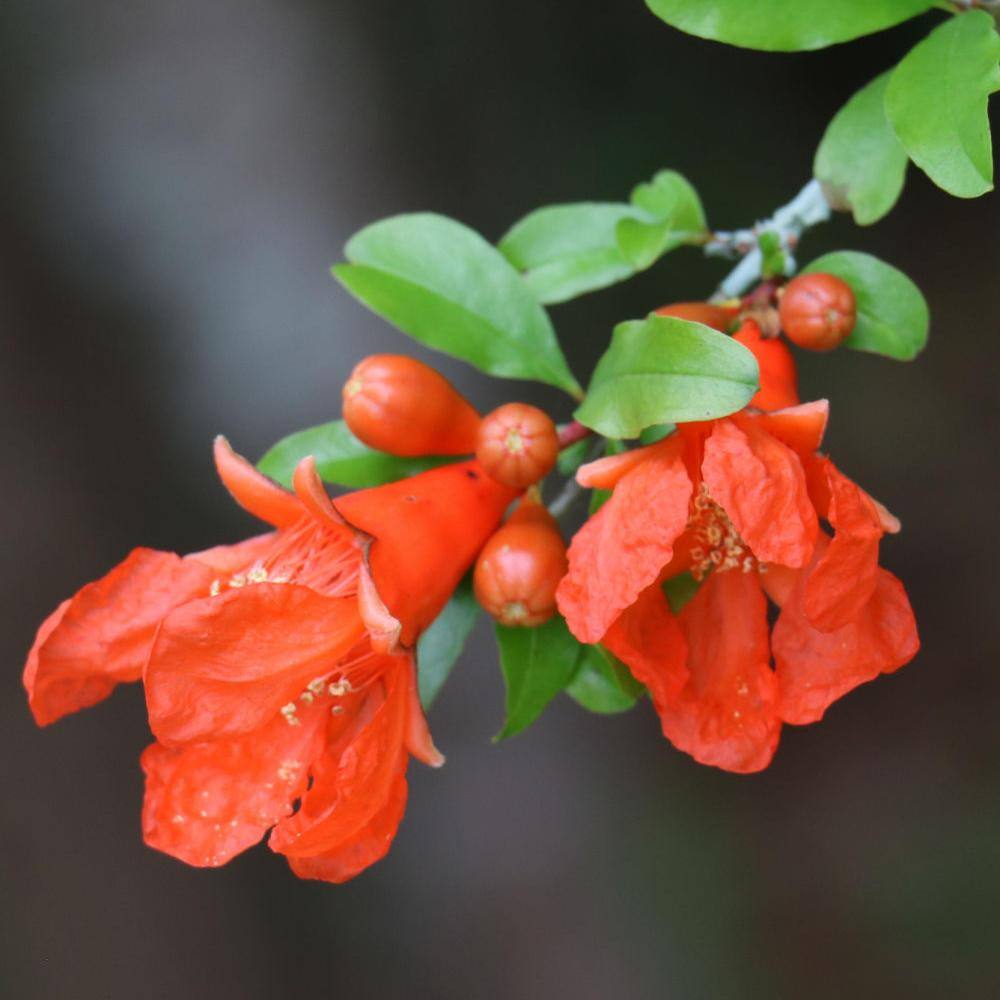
401	406
817	311
520	567
717	317
518	444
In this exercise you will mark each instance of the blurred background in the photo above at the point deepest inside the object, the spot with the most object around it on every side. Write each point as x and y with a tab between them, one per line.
176	180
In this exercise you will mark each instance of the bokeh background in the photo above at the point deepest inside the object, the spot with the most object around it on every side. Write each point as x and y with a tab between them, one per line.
176	180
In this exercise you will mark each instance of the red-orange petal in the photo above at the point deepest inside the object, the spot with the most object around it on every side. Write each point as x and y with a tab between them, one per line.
727	714
605	473
354	779
102	636
622	548
207	802
816	668
760	483
427	532
841	581
225	665
800	427
252	490
368	845
227	560
779	382
648	640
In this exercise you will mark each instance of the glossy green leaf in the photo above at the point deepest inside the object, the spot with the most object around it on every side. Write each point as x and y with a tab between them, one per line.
937	101
785	25
675	217
566	250
860	162
341	458
656	432
444	285
893	318
666	370
602	683
441	644
537	664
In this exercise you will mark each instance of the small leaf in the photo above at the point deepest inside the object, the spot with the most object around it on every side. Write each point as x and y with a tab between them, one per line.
679	590
666	370
537	664
567	250
602	683
441	644
444	285
893	318
341	458
860	160
937	101
656	432
785	25
570	459
772	254
675	217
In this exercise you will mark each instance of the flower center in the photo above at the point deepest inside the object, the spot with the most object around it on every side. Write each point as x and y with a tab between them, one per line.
719	546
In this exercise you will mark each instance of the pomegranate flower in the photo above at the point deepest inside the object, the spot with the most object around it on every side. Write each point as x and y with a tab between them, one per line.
737	502
279	670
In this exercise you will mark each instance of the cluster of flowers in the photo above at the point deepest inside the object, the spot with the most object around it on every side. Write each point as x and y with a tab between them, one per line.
280	674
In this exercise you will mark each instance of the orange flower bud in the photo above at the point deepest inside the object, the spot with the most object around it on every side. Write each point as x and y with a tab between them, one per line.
817	311
779	382
717	317
520	567
404	407
518	444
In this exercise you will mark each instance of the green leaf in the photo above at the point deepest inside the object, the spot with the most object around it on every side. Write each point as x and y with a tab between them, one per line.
773	258
893	318
444	285
679	590
785	25
860	161
570	459
341	458
537	664
675	218
567	250
441	644
666	370
602	683
656	432
937	101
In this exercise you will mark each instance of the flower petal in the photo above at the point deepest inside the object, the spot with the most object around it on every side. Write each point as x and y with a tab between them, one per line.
225	665
252	490
761	485
727	714
800	427
102	636
368	845
229	559
207	802
354	780
427	531
622	548
648	640
841	581
779	383
816	668
605	473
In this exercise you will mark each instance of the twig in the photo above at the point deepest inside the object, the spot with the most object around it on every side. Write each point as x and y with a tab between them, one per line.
571	488
808	208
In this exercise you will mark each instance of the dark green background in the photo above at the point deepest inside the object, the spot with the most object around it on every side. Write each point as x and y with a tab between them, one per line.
176	180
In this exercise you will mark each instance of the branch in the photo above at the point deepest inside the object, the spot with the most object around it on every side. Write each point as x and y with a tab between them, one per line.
808	208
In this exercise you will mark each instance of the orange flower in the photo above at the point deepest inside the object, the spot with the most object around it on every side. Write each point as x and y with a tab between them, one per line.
280	669
737	503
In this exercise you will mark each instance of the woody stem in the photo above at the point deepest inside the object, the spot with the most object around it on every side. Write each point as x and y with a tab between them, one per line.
572	432
808	208
571	490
